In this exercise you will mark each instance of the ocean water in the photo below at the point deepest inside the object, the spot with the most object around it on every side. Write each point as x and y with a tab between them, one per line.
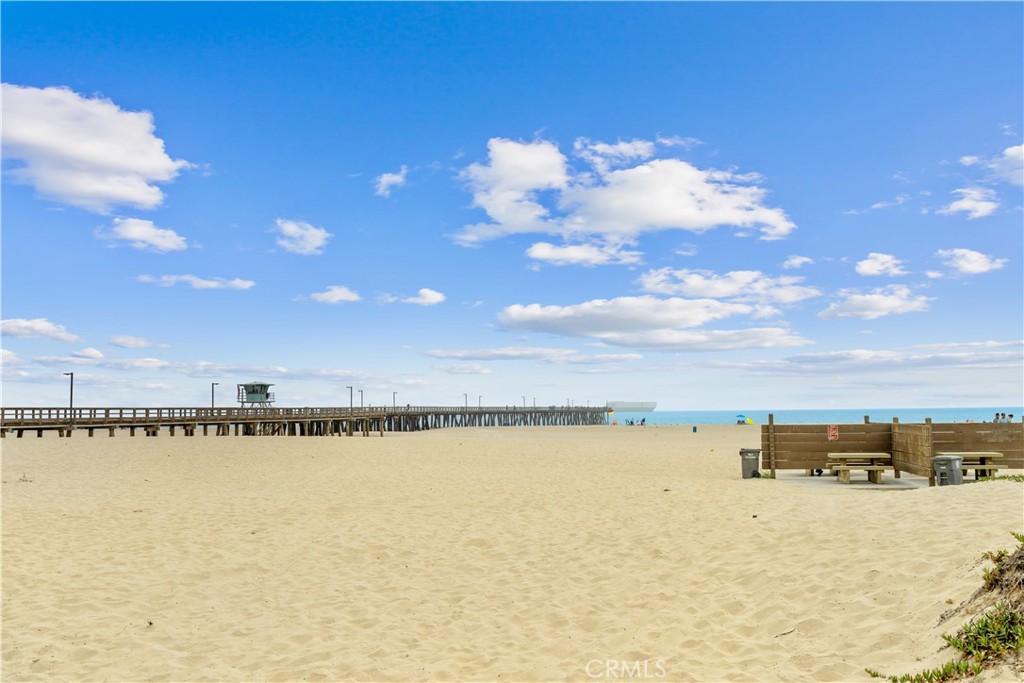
842	416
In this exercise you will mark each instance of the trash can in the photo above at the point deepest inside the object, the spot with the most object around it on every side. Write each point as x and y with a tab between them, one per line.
748	459
947	470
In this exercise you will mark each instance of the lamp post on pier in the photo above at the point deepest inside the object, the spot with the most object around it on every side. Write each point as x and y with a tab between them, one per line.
71	400
466	396
212	385
394	400
349	399
360	398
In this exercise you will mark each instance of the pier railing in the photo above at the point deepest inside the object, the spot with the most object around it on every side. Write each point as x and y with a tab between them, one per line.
288	421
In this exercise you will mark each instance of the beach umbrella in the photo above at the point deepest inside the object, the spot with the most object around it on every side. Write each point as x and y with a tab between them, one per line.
742	417
749	421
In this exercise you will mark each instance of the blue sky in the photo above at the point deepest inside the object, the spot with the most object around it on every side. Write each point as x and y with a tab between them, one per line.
726	205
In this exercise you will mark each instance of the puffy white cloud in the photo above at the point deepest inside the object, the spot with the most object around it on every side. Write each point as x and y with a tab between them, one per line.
90	353
335	294
796	262
970	262
299	237
889	300
86	152
665	194
197	282
583	254
740	285
128	342
529	188
386	181
9	358
507	186
425	297
976	202
880	264
1009	166
603	156
36	327
145	235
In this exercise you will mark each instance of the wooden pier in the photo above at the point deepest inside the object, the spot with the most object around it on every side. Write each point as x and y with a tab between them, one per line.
281	421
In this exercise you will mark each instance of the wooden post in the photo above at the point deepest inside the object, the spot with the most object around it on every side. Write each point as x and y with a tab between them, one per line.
771	442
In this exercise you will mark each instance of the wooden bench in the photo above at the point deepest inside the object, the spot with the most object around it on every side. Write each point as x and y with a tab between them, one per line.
872	463
979	461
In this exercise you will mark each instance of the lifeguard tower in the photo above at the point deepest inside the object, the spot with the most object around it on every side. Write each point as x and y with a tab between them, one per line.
255	395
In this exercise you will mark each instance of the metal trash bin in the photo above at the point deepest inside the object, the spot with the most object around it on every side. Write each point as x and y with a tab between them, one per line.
948	470
748	459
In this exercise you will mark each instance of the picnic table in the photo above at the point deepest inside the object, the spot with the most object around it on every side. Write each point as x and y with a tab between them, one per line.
873	463
979	461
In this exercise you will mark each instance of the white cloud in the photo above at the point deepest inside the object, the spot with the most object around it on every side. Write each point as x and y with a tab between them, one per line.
969	160
84	152
36	327
603	156
900	199
529	188
87	359
678	141
647	322
881	302
951	355
386	181
89	353
740	285
583	254
880	264
128	342
197	282
9	358
796	262
145	235
543	354
600	316
335	294
976	202
464	369
299	237
1009	167
970	262
425	297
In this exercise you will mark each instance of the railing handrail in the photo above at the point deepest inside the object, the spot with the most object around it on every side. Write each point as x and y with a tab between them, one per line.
117	414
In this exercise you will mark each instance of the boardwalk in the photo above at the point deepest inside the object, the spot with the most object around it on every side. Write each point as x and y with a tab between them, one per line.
280	421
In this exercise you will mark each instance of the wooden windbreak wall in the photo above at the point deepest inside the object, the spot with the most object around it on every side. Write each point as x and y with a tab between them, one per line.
806	446
1007	439
912	449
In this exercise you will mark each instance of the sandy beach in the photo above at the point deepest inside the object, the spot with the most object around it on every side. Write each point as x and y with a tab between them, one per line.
500	554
